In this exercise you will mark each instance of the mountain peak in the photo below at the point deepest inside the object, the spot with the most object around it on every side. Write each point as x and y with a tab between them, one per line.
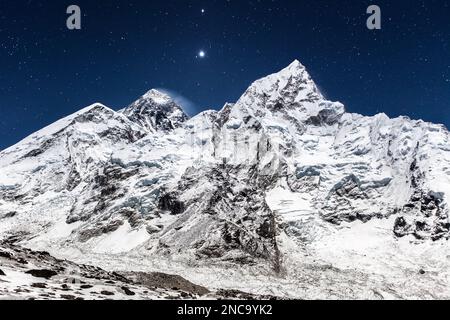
156	111
295	66
157	96
291	91
294	80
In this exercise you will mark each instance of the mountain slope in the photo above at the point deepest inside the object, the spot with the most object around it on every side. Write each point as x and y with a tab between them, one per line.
278	181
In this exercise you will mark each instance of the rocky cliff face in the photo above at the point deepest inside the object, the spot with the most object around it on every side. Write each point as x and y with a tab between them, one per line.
282	170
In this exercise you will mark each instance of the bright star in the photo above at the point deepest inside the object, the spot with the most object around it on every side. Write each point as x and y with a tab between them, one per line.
203	10
201	54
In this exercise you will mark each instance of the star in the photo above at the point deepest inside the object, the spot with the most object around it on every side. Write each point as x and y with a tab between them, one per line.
201	54
203	10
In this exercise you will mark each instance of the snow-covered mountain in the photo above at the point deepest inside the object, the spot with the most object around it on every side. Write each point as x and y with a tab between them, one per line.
272	194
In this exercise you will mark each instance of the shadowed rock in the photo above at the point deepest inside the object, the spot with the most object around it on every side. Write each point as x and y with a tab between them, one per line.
128	292
167	281
42	273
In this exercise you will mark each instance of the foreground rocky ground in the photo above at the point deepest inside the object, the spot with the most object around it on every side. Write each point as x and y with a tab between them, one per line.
36	275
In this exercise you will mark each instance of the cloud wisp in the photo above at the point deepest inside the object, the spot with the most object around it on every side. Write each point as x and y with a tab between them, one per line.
188	105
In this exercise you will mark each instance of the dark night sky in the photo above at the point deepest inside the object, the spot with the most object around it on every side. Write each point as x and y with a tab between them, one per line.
128	47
